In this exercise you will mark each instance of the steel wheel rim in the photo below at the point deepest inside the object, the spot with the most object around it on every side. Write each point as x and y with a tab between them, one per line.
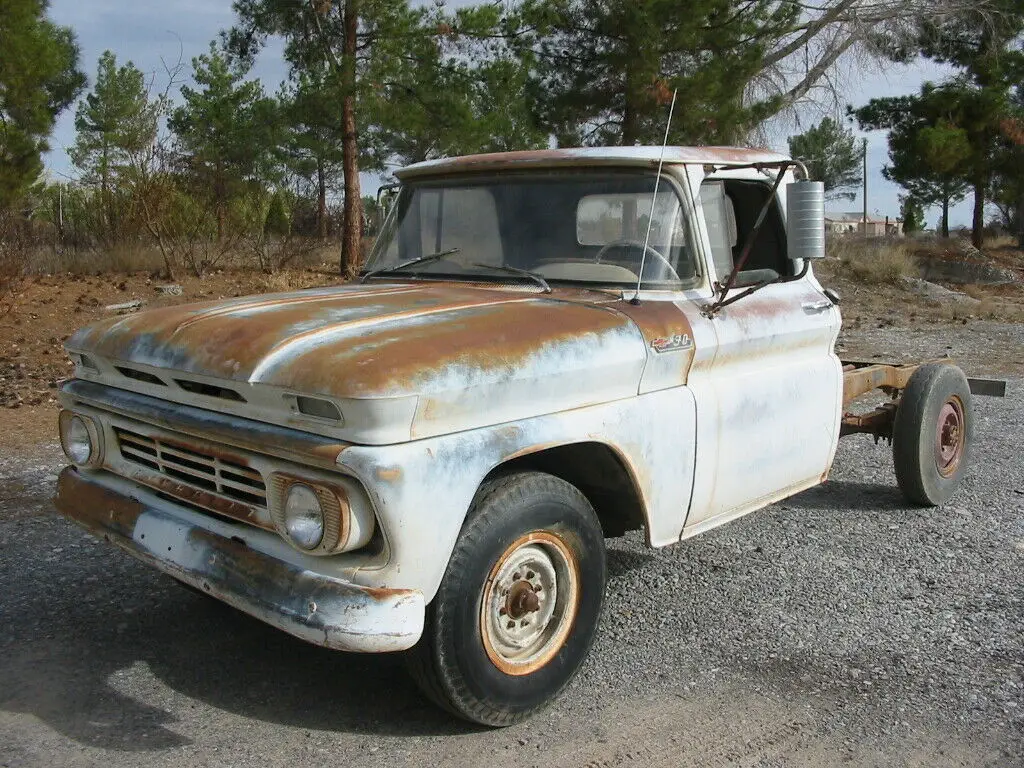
950	437
529	603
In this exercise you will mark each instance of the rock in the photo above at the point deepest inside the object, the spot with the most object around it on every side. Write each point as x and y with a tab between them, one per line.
128	306
935	291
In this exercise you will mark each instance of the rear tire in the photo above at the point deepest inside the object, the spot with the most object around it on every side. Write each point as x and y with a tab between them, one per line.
932	434
519	606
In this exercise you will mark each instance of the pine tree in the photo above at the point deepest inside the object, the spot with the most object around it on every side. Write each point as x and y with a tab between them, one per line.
912	213
605	69
929	155
313	145
984	44
833	156
116	125
226	131
344	39
460	90
39	78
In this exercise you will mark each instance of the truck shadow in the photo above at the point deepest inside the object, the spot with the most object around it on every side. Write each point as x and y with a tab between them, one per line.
843	495
122	680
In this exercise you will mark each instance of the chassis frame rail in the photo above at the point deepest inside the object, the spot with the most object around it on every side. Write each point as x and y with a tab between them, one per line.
862	377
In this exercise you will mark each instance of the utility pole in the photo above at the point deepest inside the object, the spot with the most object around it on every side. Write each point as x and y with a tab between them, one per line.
865	186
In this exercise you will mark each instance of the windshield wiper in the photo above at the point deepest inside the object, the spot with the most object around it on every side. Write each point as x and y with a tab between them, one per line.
516	271
412	263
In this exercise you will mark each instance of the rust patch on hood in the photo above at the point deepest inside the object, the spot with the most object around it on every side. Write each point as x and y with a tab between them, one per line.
371	341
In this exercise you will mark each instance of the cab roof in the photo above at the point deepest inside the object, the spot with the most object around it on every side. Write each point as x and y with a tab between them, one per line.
647	157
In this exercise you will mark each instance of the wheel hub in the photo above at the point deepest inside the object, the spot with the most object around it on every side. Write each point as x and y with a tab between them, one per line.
949	437
522	600
529	603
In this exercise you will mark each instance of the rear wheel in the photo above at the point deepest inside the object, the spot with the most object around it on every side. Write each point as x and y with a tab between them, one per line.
520	602
932	434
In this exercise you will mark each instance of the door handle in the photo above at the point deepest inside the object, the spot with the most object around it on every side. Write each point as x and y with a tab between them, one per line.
817	306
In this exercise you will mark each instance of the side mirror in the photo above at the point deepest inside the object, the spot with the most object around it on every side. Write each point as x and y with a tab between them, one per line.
805	220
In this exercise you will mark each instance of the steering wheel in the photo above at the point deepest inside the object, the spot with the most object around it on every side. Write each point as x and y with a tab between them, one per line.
634	243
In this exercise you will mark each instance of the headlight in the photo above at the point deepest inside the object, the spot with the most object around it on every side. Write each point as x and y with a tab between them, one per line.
79	438
304	516
320	517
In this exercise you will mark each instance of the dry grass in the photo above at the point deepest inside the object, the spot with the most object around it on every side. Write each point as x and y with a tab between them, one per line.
120	259
131	259
872	262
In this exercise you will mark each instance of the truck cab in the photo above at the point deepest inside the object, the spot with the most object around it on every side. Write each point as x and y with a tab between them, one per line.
544	349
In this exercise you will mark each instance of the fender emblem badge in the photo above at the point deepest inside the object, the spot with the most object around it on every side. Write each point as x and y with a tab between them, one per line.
676	343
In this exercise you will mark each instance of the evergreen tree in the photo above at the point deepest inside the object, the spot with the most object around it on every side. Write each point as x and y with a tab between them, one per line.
983	42
116	126
462	90
1008	179
226	130
912	213
344	39
313	146
387	81
929	154
279	220
39	78
605	70
833	156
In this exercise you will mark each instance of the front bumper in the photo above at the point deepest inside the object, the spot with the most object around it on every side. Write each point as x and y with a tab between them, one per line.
320	609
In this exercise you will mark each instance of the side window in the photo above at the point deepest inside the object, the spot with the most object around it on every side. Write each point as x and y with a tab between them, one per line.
731	209
720	218
460	218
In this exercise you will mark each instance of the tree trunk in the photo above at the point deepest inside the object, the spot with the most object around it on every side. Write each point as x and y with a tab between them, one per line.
352	224
321	200
629	123
221	218
1020	222
978	226
630	112
945	217
220	192
106	207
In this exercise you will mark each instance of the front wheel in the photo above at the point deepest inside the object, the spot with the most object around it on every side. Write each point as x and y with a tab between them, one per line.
520	602
932	434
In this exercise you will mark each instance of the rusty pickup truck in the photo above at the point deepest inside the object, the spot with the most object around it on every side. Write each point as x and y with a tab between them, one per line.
545	349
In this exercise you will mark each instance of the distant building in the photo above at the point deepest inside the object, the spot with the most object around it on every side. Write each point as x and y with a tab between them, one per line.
853	224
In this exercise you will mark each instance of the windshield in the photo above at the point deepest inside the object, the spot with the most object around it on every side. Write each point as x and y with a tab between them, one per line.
578	227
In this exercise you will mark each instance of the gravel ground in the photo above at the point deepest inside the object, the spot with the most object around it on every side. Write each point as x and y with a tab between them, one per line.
982	348
838	627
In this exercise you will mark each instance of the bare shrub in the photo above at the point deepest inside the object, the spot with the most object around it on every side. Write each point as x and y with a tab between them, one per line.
19	239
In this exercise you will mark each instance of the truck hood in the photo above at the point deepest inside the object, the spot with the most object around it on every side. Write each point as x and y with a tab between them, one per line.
470	356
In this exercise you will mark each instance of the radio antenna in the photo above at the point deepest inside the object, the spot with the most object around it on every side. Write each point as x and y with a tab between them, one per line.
654	202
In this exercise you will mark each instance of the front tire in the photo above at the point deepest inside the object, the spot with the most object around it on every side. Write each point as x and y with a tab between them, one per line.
519	606
932	434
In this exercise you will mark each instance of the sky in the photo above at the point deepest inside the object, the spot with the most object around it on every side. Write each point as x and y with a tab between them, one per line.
152	34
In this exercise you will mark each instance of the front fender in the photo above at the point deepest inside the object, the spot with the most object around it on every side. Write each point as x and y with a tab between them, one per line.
423	490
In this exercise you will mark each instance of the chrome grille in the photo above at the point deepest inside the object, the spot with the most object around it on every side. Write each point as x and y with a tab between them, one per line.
199	470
